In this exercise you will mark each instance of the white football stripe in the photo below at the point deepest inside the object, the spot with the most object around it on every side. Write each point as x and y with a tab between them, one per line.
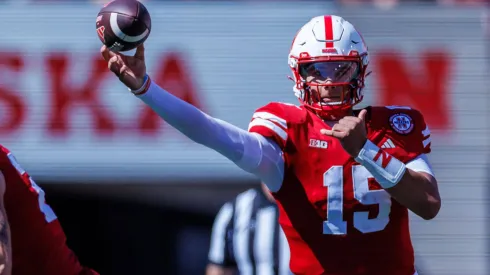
271	117
269	124
121	35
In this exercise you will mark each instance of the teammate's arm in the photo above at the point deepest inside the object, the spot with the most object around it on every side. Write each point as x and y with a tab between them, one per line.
5	247
250	151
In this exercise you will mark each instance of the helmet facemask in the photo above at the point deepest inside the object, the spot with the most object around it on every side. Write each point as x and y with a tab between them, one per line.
330	86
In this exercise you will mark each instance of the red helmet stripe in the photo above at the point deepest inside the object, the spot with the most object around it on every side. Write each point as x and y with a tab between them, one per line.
328	30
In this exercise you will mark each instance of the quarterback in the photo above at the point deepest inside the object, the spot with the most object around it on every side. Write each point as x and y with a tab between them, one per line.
343	179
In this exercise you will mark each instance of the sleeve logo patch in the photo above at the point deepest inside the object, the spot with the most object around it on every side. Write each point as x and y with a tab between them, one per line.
401	123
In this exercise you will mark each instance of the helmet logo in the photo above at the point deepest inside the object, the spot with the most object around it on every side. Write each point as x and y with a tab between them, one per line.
304	55
330	50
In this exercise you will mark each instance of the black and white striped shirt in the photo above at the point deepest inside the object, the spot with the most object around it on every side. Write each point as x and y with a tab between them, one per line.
247	236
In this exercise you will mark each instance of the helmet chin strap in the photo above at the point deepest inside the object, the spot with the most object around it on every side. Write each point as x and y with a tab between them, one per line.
335	112
331	114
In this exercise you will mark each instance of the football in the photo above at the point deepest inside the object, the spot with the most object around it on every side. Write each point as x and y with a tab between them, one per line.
123	25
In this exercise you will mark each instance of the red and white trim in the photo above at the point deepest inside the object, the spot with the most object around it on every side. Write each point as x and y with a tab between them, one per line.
272	122
144	88
426	137
329	37
268	116
269	125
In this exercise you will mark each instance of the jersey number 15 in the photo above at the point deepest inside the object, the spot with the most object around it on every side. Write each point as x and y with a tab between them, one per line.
335	223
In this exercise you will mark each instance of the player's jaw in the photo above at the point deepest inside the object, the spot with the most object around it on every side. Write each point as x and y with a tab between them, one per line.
330	101
329	95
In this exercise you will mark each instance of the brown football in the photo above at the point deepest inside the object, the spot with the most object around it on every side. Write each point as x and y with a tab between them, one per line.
123	25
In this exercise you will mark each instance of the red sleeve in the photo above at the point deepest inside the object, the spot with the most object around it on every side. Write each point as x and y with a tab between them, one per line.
270	122
412	133
420	141
34	226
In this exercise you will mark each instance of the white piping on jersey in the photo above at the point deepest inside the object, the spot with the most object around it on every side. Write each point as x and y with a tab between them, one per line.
271	117
267	123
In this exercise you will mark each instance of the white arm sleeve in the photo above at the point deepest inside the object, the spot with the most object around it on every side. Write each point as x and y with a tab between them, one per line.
249	151
420	164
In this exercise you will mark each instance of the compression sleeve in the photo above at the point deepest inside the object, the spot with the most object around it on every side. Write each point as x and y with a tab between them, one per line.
249	151
421	164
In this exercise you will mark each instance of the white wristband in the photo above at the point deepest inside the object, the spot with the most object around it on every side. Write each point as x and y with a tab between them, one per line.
386	169
143	87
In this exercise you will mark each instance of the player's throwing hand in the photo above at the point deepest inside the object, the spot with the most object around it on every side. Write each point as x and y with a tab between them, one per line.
351	131
131	70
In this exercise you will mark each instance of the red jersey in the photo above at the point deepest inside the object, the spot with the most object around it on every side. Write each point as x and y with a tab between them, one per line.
336	217
37	239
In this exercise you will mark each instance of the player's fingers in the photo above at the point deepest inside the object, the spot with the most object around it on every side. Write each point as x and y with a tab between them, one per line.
362	114
106	53
123	71
349	123
326	132
351	118
114	65
122	59
341	128
332	133
140	52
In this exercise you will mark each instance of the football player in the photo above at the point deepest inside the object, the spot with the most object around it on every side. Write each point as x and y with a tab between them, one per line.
37	239
343	179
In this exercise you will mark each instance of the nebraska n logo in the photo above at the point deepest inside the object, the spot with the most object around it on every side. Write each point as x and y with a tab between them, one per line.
385	158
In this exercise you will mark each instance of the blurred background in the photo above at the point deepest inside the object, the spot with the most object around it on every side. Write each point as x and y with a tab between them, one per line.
136	197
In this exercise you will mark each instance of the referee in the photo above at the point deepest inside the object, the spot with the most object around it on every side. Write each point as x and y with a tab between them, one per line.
247	239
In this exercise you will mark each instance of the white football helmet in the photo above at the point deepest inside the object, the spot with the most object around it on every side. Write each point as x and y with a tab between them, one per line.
330	47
